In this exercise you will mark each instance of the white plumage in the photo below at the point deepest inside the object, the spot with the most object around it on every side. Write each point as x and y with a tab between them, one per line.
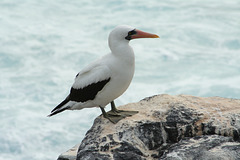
107	78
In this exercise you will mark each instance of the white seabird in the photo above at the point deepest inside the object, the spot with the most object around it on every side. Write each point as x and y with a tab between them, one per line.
104	80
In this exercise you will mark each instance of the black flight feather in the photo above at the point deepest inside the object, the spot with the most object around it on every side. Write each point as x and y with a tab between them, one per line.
87	93
81	95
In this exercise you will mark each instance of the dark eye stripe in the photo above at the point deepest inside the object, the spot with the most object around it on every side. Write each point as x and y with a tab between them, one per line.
132	32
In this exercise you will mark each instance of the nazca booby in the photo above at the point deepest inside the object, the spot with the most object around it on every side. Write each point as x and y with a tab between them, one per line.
104	80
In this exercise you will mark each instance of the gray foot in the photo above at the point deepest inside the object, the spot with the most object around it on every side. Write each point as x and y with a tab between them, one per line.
122	112
127	113
114	117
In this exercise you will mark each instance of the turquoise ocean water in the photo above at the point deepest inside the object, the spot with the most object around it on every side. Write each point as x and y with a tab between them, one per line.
43	44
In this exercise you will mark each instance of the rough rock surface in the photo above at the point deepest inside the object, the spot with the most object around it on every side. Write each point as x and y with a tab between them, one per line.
168	127
208	147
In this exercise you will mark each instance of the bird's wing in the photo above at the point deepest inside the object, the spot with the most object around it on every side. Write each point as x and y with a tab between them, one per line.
89	82
91	74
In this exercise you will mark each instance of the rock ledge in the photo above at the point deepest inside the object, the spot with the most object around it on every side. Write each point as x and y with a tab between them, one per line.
166	127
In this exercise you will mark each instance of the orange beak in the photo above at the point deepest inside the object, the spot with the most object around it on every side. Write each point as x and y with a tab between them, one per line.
141	34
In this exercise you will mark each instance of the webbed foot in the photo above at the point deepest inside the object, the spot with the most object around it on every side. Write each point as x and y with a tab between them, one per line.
122	112
115	115
127	113
112	116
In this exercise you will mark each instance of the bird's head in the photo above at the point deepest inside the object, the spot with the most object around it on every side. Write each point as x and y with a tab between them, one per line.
121	35
124	32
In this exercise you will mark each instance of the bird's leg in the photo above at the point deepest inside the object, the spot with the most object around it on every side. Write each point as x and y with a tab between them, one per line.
113	107
104	113
122	112
115	115
111	117
114	111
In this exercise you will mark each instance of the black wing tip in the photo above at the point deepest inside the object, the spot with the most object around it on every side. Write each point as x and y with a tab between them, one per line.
59	108
61	104
57	111
50	115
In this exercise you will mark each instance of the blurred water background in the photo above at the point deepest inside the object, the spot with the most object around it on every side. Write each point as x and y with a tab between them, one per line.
43	44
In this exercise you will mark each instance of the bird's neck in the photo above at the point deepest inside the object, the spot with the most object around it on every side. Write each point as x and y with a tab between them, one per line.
122	49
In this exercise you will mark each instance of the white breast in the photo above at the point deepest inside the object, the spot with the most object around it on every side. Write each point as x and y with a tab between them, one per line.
122	72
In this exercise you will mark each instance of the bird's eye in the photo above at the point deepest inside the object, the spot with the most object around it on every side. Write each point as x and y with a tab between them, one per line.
132	32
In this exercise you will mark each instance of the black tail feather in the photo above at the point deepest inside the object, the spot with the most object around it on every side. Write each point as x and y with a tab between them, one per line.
57	111
58	108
